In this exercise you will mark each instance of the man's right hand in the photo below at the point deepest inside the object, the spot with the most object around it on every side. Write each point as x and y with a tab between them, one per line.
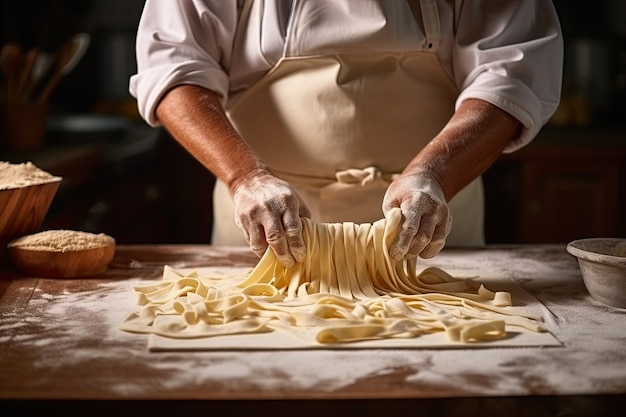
268	210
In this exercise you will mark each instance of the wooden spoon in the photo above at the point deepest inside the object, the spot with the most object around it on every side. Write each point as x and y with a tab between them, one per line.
41	70
26	75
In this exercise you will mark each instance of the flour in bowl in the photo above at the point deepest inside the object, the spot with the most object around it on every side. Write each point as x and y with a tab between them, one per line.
62	241
22	175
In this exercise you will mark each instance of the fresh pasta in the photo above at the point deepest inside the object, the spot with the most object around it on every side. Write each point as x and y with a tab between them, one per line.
349	289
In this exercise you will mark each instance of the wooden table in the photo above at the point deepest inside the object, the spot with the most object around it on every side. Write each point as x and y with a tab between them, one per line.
59	341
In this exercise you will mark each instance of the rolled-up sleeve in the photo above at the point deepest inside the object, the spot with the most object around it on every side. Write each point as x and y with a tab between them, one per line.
181	42
510	53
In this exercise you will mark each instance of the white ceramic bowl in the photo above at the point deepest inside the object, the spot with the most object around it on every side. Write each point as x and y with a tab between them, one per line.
602	262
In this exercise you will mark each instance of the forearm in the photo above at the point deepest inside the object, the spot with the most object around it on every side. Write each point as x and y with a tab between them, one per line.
472	140
196	119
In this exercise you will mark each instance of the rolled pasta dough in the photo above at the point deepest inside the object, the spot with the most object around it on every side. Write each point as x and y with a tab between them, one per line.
348	288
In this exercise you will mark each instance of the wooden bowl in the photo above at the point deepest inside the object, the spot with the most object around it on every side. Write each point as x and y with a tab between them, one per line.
23	210
67	259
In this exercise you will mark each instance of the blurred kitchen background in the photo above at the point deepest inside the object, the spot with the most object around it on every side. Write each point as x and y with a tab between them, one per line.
136	184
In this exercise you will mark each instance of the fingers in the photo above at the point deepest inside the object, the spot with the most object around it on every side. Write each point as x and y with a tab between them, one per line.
283	236
293	233
276	238
426	219
404	239
421	234
253	233
270	217
438	240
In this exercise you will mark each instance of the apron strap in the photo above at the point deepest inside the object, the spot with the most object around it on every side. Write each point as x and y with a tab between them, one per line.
432	24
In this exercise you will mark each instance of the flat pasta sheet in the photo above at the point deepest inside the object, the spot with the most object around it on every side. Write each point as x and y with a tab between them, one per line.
347	293
304	338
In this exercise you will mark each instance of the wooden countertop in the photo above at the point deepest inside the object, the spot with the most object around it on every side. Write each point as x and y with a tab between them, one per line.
59	341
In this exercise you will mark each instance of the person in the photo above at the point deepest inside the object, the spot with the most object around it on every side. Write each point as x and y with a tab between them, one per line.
342	110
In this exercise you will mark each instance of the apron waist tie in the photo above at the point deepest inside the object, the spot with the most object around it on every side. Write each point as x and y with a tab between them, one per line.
355	178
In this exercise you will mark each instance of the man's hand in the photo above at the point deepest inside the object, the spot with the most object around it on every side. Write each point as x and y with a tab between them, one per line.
426	219
268	210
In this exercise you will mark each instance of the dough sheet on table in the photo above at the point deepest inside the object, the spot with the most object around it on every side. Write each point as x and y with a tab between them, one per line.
348	293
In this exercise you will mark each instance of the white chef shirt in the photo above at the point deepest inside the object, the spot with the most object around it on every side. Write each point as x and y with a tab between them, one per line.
508	53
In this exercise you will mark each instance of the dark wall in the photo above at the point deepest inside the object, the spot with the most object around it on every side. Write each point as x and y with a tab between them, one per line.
595	56
103	72
595	61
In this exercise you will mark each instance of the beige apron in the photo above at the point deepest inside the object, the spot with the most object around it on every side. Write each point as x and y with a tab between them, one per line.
340	127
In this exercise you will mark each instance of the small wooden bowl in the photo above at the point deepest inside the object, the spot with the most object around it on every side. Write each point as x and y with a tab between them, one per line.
24	209
62	263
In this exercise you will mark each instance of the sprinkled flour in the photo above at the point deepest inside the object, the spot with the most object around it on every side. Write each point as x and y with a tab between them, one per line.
76	329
